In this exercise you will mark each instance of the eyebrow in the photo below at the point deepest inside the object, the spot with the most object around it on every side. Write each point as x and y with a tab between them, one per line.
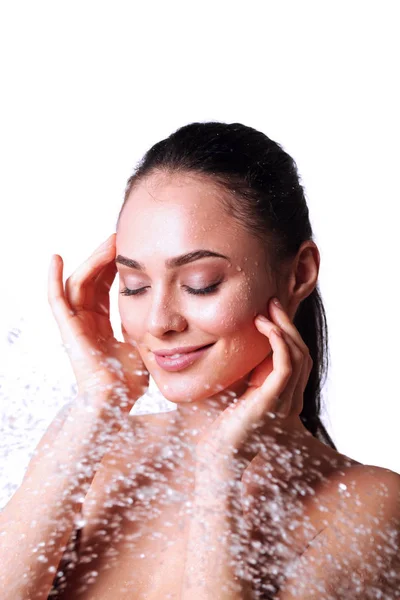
171	263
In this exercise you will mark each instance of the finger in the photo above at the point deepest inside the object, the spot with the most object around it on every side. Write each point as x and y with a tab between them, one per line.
76	286
281	318
267	398
297	398
58	303
73	335
98	294
104	284
298	394
261	371
283	404
298	361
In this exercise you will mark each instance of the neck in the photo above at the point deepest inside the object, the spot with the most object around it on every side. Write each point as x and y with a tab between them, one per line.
196	417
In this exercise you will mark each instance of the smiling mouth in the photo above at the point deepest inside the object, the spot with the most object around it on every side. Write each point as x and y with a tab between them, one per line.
178	355
177	362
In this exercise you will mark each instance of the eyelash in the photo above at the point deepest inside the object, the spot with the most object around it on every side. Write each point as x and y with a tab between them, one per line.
201	292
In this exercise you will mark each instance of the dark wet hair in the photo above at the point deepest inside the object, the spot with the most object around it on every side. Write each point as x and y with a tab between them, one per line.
265	194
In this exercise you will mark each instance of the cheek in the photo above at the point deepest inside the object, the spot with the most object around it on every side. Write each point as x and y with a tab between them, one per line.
232	320
132	324
230	312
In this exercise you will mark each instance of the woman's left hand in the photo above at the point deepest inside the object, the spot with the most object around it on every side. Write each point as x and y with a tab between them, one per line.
276	386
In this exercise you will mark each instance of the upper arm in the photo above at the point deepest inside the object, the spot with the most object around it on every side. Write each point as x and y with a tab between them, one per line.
360	549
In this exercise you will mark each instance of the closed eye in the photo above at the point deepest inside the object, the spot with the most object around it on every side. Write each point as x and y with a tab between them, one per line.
202	291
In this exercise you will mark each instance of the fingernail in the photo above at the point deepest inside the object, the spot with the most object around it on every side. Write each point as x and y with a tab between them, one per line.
262	318
277	303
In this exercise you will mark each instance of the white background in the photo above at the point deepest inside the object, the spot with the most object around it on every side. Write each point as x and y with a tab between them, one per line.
87	87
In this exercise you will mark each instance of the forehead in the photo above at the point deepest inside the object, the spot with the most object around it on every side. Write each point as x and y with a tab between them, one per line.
176	210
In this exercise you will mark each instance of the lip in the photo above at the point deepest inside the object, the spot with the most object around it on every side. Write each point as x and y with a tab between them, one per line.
180	350
186	359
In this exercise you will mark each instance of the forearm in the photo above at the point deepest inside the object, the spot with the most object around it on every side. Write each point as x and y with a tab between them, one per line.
36	524
214	569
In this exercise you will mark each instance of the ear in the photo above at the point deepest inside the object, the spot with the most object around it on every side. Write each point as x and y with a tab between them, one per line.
303	276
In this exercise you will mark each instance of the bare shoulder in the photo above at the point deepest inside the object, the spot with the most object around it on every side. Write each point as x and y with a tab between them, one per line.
352	479
357	553
373	489
364	473
370	481
361	492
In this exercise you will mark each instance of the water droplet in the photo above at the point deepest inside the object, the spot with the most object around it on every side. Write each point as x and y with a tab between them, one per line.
80	522
13	335
42	558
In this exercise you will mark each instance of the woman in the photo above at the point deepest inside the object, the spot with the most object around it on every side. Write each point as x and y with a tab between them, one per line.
240	492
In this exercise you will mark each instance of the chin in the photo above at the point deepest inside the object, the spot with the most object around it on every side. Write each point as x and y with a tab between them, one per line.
178	396
179	393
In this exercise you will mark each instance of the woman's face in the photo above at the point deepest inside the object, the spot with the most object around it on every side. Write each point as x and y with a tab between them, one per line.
168	217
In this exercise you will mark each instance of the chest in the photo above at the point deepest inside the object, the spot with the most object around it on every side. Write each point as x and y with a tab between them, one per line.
135	525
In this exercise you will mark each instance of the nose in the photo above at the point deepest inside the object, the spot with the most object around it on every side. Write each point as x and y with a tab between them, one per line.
164	315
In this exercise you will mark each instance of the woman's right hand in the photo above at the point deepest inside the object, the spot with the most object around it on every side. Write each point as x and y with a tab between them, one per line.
82	312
